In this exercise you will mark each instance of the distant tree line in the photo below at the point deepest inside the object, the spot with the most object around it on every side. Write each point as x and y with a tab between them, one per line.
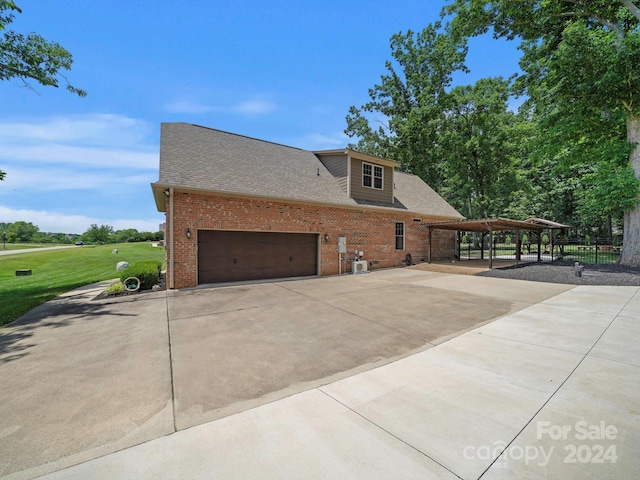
27	232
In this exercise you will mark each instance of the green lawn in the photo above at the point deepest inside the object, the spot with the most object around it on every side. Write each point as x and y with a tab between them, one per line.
58	271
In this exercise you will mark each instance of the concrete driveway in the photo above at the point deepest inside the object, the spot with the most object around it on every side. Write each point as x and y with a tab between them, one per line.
83	378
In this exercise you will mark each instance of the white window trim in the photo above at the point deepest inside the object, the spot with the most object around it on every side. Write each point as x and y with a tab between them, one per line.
373	177
404	236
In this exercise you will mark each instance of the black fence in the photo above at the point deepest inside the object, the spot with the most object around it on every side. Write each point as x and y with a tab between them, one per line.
503	247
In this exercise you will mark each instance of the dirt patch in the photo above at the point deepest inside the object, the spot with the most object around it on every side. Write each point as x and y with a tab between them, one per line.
564	272
460	268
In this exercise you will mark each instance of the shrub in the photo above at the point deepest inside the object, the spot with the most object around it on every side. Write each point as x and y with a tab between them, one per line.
147	271
115	288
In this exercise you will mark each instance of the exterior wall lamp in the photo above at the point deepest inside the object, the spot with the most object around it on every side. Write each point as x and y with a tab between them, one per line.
188	233
326	237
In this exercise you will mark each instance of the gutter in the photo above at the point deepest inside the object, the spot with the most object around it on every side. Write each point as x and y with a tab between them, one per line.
171	276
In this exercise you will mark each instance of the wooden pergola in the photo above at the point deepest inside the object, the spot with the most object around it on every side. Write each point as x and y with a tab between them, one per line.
490	225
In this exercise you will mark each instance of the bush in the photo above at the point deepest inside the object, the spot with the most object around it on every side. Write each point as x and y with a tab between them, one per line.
147	271
115	288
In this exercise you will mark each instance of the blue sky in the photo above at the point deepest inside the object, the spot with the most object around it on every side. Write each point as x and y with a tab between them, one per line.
283	71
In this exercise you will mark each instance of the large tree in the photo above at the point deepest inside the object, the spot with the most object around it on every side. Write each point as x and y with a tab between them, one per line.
580	62
21	232
98	234
404	117
461	140
479	139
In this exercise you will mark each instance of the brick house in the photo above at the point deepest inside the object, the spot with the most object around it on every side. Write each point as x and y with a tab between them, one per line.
239	208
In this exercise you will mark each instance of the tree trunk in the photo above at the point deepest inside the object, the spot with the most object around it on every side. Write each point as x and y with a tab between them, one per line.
631	247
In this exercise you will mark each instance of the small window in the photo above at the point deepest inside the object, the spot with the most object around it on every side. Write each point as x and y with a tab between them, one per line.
400	236
372	176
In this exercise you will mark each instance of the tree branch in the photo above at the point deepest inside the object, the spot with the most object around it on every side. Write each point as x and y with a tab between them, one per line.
632	7
615	27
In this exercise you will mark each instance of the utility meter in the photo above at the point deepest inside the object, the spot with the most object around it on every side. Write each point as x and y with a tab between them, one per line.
342	244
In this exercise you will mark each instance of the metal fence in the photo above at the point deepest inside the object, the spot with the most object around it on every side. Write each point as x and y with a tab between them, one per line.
584	250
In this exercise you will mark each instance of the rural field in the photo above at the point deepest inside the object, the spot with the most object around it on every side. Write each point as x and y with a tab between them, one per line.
58	271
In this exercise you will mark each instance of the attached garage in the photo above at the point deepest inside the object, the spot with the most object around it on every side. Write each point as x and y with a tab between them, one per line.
230	256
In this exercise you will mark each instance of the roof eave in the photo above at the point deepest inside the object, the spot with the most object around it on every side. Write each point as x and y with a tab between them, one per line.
359	155
160	197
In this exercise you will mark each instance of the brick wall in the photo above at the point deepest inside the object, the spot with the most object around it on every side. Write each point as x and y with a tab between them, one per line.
371	231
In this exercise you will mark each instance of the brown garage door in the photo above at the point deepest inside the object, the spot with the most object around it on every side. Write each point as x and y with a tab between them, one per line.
234	256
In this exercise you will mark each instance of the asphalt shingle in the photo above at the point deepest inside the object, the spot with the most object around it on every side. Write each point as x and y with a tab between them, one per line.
203	158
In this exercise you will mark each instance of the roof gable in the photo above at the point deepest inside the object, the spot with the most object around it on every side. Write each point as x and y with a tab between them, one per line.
200	158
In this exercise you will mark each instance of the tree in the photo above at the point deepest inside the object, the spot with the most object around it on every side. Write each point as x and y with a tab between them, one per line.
98	234
463	140
20	232
479	138
127	235
31	57
580	62
410	102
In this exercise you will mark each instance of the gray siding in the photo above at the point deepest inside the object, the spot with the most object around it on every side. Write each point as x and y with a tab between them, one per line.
337	165
366	193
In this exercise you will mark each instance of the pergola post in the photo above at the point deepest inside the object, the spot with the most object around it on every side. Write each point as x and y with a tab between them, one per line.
539	243
490	247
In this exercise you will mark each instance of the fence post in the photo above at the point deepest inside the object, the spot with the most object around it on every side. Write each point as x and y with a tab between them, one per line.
596	248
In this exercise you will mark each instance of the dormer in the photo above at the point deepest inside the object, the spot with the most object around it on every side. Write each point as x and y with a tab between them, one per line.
363	177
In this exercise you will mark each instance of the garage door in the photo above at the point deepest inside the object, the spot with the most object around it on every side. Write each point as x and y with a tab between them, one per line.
234	256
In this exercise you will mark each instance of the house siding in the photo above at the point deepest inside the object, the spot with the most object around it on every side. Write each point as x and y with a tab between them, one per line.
371	231
365	193
337	166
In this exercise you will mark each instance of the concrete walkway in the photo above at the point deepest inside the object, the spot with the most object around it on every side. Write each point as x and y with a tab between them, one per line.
548	390
35	249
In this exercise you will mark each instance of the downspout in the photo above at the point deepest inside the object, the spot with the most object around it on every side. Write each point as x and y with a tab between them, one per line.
171	276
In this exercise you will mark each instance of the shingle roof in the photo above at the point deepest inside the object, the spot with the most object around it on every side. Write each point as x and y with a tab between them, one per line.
202	158
419	197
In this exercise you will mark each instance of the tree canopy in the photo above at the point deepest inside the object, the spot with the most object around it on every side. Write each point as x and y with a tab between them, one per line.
569	154
31	57
580	62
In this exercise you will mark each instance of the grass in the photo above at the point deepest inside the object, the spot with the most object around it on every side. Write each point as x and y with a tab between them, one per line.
58	271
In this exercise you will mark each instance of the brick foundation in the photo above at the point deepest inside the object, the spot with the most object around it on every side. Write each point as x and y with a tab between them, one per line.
371	231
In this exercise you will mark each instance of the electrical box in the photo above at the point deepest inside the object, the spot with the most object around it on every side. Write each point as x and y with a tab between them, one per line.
342	244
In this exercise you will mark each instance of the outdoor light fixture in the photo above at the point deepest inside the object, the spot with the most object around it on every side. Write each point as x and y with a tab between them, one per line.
166	192
188	233
326	237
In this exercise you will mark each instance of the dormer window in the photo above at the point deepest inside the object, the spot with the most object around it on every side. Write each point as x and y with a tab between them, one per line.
372	176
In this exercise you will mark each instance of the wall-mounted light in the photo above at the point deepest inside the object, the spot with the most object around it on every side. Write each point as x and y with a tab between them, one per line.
188	233
167	193
326	237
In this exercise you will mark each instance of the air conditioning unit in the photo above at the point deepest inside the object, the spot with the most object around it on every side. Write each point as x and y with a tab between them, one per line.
359	266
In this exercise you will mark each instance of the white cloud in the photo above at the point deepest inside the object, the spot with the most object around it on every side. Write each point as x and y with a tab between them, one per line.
188	106
250	107
90	129
115	142
118	159
59	179
254	107
48	221
319	141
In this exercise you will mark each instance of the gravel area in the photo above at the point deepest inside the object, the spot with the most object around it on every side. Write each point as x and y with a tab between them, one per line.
558	272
